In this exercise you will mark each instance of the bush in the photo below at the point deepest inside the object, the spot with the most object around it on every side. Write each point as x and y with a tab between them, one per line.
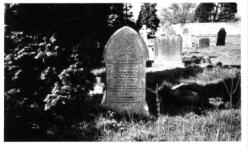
34	70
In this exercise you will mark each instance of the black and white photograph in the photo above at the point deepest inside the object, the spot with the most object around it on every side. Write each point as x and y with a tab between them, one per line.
138	71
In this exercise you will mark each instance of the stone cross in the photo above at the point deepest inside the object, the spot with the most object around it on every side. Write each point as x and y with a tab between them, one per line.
144	33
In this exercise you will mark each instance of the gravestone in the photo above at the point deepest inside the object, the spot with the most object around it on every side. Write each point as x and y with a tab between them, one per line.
125	56
221	37
168	49
144	34
204	42
98	87
187	40
150	47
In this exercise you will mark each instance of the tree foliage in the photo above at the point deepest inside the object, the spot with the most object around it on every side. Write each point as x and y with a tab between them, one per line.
227	12
179	13
147	16
203	12
212	12
121	15
50	51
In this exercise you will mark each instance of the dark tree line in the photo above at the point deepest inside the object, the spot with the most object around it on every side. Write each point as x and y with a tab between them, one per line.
212	12
204	12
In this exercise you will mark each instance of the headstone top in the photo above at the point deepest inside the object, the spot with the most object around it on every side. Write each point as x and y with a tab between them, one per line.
123	36
143	27
166	31
185	31
144	30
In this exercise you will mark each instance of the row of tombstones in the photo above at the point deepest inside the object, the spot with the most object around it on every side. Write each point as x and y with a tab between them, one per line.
165	48
221	38
125	56
186	37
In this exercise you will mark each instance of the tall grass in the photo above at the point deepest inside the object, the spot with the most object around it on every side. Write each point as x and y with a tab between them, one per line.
216	125
212	75
218	74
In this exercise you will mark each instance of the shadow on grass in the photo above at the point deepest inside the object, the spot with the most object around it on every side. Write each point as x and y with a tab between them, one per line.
172	76
188	97
195	97
80	127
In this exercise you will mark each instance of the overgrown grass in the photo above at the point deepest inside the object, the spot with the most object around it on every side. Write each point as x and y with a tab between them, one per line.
215	125
212	75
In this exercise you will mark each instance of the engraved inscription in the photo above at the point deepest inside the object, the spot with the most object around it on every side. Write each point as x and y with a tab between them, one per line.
125	56
125	76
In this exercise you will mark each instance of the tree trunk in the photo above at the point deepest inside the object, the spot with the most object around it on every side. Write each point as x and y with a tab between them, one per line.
216	12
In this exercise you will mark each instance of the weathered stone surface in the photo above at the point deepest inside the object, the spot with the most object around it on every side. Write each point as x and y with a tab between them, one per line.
125	56
204	42
168	49
221	37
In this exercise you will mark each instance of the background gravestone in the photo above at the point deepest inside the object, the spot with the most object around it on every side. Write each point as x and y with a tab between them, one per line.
187	40
168	49
204	42
125	56
144	34
221	37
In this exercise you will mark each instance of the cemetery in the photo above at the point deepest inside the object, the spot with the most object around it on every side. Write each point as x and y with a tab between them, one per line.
120	82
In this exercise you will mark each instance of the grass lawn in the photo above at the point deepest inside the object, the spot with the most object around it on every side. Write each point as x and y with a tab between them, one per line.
215	125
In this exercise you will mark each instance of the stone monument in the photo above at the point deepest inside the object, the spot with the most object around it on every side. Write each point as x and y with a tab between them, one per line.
187	40
168	49
125	56
144	34
221	37
204	42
